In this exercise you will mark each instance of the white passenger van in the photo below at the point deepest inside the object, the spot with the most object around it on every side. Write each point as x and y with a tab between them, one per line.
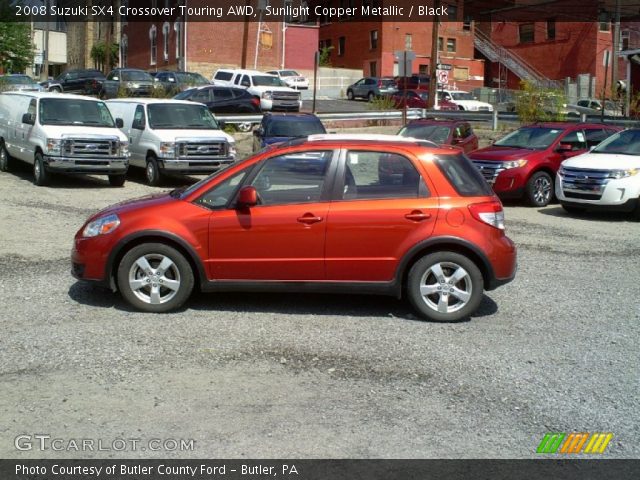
173	136
273	93
61	133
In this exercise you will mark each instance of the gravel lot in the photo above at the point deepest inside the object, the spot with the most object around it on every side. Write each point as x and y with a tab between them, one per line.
250	376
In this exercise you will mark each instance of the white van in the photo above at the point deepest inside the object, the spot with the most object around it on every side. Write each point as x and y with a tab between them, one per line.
273	93
172	136
61	133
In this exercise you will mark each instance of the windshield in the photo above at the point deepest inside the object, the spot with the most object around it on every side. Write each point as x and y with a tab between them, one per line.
387	82
435	133
18	79
166	116
267	81
65	111
191	78
624	143
462	96
185	191
289	73
294	128
533	138
133	75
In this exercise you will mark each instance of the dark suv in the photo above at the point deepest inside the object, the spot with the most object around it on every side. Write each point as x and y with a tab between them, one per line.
281	127
433	234
85	81
175	82
134	82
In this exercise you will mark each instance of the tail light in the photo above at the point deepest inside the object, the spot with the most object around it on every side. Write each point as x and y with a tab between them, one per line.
490	213
255	101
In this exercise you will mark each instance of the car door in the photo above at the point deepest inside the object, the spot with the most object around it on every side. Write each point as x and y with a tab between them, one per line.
382	207
223	100
575	139
283	237
358	88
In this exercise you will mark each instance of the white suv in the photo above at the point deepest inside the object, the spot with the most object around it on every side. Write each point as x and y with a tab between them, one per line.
606	178
272	92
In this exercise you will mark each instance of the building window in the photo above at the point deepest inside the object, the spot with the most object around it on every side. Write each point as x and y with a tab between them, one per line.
341	42
177	27
451	45
408	42
551	29
440	44
373	69
526	33
153	41
461	74
452	10
466	26
373	39
423	69
165	41
624	44
604	22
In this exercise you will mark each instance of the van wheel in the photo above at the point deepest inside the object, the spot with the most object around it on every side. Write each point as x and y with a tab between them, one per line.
117	180
539	189
40	175
154	277
445	286
152	171
5	159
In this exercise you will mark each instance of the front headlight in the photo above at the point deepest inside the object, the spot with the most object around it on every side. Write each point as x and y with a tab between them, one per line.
101	226
618	174
167	149
514	164
54	146
124	149
267	95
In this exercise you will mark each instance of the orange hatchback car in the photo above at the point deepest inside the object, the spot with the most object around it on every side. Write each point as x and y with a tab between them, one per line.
318	214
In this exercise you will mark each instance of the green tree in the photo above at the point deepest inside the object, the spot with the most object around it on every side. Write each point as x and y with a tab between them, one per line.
16	45
98	54
538	104
325	57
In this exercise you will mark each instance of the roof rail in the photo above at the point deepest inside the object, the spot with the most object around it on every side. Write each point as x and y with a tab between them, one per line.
371	137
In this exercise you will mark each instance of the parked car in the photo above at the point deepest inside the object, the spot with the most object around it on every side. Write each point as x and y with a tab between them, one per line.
464	100
135	83
173	136
443	132
419	99
372	87
19	83
414	82
174	82
593	106
281	127
292	78
81	81
524	163
273	93
607	178
61	133
224	100
263	224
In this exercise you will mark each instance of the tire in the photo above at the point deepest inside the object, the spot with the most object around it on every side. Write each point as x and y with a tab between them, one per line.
433	273
636	213
245	126
460	107
572	210
152	172
40	175
371	97
539	189
155	277
56	89
350	95
5	158
117	180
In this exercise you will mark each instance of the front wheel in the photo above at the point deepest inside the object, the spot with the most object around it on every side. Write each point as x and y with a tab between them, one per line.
5	159
117	180
445	286
154	277
539	190
40	175
152	172
350	95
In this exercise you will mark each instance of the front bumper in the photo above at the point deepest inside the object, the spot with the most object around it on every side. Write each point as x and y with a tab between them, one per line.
89	259
621	194
98	165
194	166
280	105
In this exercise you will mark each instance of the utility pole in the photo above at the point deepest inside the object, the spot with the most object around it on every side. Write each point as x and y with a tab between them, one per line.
44	75
433	64
107	45
616	45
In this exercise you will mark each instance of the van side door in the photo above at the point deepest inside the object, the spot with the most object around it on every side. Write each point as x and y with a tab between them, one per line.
138	126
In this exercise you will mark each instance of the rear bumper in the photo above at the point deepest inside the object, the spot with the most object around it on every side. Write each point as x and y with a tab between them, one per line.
504	260
108	166
200	165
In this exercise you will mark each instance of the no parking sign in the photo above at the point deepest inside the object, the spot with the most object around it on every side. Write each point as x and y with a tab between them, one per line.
443	77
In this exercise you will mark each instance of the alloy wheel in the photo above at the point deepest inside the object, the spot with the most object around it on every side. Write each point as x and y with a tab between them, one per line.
154	279
446	287
542	190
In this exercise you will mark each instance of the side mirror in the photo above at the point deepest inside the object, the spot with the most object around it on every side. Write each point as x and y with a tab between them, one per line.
248	197
456	140
119	123
564	147
27	118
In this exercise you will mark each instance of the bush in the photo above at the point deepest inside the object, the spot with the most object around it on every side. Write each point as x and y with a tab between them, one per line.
537	104
382	103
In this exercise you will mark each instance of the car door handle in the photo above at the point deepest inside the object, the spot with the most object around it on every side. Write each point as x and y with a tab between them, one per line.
417	216
309	219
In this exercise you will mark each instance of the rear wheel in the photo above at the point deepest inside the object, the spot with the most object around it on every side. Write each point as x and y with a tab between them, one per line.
350	95
152	171
117	180
371	96
5	159
445	286
539	189
154	277
40	175
245	126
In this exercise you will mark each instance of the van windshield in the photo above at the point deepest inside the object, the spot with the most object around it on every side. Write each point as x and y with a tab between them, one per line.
171	116
65	111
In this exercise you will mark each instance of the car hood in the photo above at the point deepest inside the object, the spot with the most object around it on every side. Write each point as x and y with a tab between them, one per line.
603	161
155	199
500	154
178	134
83	131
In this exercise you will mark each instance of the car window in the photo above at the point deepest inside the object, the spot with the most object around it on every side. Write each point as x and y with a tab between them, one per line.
463	175
595	136
435	133
293	128
32	108
576	139
220	195
226	76
245	81
222	94
201	96
380	175
583	103
292	178
138	116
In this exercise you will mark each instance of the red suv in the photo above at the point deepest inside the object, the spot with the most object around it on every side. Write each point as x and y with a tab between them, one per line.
444	132
525	162
433	233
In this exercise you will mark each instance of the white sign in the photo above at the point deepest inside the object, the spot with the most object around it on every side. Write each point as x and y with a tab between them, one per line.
443	76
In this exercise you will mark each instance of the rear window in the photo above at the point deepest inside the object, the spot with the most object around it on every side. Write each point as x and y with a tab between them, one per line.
223	76
463	175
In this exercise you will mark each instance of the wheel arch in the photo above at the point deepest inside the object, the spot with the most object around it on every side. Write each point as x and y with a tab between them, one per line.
153	236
